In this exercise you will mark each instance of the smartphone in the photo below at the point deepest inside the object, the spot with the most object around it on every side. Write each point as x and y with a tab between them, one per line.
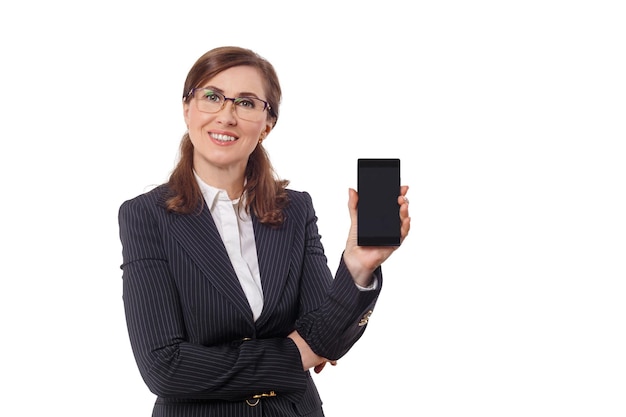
378	211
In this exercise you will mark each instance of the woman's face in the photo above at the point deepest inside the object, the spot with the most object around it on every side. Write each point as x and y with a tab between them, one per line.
223	141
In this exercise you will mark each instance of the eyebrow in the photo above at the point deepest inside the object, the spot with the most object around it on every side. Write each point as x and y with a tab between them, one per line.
240	94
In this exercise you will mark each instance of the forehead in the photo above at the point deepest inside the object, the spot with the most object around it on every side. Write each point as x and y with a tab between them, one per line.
236	80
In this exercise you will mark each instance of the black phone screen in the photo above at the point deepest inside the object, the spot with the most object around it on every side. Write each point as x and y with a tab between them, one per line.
378	209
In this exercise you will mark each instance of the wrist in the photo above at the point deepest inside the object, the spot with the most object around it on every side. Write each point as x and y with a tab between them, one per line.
362	276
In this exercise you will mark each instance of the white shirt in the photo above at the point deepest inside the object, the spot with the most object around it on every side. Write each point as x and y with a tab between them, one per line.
235	228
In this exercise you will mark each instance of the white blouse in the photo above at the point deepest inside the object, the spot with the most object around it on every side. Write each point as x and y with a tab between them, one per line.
237	233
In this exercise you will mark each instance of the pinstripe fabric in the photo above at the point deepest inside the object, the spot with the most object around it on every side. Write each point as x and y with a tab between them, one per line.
191	328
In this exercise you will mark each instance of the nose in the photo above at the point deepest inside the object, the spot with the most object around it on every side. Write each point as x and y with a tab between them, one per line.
227	112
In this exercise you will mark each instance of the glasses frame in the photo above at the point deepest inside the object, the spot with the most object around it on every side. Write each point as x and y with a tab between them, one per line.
192	94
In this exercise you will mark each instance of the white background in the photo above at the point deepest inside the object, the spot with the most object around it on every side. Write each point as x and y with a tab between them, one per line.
508	297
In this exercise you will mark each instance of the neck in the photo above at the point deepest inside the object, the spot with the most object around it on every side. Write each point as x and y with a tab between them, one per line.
234	191
233	185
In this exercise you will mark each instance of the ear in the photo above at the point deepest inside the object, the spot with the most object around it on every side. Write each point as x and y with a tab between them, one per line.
268	128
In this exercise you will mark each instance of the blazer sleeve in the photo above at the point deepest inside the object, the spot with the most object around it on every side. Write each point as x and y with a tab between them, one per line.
170	365
333	324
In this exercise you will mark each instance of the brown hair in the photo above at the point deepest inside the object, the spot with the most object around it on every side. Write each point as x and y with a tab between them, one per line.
265	193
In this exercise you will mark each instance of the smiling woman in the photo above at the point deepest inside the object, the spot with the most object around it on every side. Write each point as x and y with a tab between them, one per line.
228	297
221	137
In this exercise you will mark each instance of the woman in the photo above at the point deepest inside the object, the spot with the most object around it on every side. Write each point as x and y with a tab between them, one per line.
228	297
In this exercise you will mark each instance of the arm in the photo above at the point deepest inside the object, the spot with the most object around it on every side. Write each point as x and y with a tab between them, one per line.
331	309
171	364
332	329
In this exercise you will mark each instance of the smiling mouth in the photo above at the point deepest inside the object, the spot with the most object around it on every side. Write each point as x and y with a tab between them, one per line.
222	138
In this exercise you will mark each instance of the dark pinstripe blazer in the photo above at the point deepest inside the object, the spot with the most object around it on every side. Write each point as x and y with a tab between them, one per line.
191	328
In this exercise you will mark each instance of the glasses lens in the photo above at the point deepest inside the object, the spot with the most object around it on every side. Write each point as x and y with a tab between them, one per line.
247	108
208	100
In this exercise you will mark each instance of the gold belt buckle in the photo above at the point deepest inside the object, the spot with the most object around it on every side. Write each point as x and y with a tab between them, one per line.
254	401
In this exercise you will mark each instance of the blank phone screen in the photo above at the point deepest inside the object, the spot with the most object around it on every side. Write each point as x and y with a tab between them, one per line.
378	209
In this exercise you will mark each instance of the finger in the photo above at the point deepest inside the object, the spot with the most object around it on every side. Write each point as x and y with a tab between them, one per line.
402	198
353	199
405	219
318	368
405	224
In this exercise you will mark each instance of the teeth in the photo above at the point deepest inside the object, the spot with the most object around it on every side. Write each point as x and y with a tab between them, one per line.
222	138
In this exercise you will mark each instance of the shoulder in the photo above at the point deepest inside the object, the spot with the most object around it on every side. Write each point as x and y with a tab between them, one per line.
299	199
300	205
149	200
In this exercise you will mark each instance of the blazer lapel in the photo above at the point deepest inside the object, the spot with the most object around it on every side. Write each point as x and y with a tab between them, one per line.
272	246
198	235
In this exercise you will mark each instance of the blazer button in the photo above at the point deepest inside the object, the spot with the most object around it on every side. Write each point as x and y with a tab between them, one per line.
365	318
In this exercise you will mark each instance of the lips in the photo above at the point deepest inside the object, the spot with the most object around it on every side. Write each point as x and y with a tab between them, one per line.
222	138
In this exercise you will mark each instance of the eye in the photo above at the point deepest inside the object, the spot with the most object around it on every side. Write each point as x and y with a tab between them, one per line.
211	96
246	102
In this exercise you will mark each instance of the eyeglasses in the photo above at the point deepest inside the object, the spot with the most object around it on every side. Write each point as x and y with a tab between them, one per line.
248	108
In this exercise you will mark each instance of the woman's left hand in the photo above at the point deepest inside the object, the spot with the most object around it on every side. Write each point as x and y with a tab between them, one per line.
318	368
361	261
